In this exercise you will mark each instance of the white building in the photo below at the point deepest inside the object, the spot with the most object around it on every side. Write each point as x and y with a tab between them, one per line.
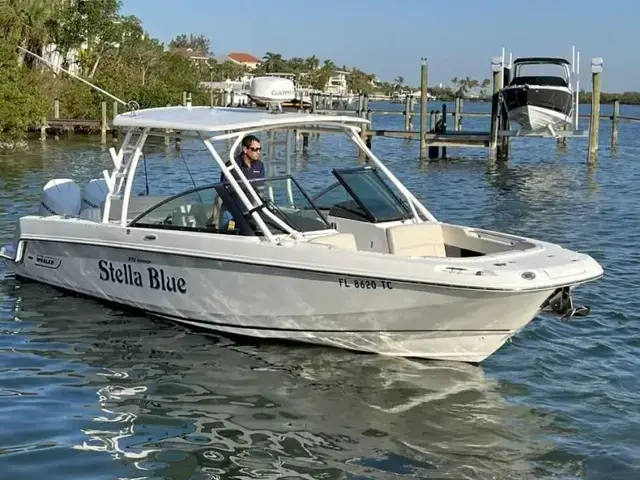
337	84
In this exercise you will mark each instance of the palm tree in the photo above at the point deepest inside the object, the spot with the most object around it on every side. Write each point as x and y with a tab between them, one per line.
329	65
272	62
312	62
28	22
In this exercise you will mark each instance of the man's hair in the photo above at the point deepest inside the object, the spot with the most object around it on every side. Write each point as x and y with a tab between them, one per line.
246	141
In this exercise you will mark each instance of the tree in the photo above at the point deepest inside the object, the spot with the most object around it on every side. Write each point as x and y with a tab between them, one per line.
198	43
272	63
311	63
23	100
484	86
96	25
29	23
147	53
360	82
319	78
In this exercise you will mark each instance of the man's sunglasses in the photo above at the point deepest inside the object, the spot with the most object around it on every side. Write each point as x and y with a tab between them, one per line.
254	149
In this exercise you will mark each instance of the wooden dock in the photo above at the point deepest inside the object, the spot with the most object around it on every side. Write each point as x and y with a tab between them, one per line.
434	132
450	139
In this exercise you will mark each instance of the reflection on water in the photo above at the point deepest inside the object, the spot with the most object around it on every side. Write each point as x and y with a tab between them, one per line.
171	402
87	391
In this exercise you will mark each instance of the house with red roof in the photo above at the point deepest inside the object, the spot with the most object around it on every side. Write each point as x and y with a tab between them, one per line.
245	59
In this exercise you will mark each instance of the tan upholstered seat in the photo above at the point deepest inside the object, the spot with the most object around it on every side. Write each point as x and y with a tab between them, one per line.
416	240
340	240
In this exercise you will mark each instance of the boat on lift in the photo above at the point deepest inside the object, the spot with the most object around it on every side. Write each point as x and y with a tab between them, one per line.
537	100
363	265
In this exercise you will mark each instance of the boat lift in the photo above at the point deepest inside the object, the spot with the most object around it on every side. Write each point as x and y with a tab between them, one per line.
498	65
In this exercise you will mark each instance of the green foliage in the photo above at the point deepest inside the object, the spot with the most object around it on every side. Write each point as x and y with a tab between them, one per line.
197	43
115	53
22	100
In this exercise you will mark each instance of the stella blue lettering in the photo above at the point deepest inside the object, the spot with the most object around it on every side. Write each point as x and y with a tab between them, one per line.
125	274
159	280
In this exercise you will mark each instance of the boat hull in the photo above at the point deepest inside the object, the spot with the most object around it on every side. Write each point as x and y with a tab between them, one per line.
364	314
538	107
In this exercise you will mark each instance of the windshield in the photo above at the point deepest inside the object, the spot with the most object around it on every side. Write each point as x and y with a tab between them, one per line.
284	198
371	195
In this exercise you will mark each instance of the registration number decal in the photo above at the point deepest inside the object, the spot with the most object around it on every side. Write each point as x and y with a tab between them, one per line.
367	284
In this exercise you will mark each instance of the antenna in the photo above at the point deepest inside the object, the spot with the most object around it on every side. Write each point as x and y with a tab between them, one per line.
133	105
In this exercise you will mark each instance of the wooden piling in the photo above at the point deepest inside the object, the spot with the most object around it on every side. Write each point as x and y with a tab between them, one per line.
103	123
411	103
167	139
423	108
503	141
184	98
114	130
456	113
615	120
370	132
594	126
407	112
43	129
496	68
56	115
363	131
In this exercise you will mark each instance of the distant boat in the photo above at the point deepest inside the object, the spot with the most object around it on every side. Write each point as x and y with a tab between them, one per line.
538	102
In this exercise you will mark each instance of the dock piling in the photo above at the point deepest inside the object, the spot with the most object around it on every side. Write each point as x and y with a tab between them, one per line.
56	115
103	123
423	108
594	126
615	120
503	145
407	113
497	65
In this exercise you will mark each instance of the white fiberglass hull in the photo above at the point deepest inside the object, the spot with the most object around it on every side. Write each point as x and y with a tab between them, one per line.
370	315
534	118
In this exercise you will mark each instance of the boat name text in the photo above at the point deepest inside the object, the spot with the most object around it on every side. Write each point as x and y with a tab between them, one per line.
364	284
156	278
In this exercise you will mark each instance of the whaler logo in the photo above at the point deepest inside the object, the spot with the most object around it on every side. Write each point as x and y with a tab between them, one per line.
154	278
47	262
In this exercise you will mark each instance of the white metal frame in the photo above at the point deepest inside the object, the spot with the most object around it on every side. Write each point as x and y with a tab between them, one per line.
120	179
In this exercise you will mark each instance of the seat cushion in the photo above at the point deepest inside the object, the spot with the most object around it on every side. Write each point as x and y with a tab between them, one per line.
416	240
341	240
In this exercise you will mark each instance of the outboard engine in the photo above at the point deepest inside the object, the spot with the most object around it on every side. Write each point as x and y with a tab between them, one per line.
95	193
60	196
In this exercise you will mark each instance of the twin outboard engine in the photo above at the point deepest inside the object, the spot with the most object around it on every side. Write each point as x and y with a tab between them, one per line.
62	196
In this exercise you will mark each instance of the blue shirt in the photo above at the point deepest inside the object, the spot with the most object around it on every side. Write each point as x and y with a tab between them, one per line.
255	170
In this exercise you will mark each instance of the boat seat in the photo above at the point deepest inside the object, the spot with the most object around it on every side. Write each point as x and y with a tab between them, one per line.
137	205
193	215
416	240
340	240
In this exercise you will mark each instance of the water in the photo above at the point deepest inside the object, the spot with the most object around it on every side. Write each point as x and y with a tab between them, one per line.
87	391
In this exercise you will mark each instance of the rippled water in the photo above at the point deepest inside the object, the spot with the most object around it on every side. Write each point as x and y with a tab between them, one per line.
87	391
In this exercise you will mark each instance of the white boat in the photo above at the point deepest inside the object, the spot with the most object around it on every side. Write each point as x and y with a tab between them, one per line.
364	265
538	101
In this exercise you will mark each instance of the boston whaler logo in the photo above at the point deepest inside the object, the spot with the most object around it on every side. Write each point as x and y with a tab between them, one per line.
151	277
47	262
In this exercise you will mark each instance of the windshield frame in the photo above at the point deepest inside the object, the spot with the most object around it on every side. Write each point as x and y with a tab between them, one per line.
225	188
370	214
